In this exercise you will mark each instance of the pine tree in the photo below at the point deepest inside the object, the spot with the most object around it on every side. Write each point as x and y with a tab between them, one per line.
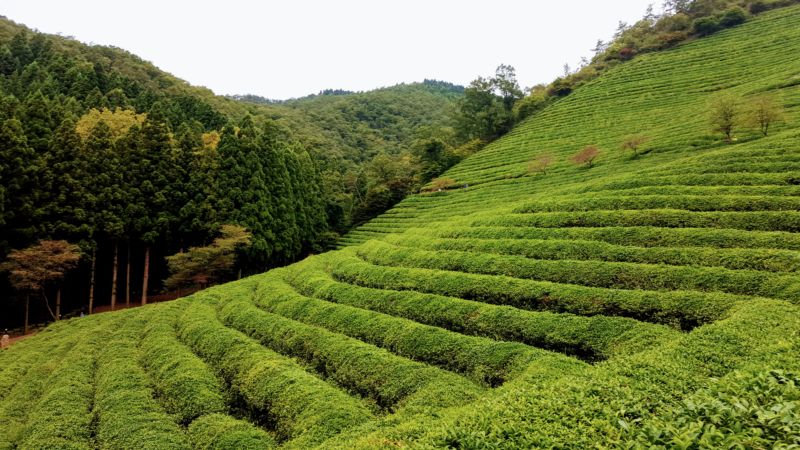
17	176
68	210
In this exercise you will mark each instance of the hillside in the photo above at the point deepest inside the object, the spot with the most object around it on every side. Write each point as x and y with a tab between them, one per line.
647	301
102	149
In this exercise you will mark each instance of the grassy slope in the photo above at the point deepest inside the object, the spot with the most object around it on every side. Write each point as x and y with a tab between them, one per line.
526	310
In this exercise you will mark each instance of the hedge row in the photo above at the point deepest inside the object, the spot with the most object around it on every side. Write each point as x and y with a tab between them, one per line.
618	275
21	359
684	309
278	392
555	249
183	383
388	380
32	374
645	236
665	201
222	432
63	417
589	338
481	359
690	179
128	416
755	221
622	397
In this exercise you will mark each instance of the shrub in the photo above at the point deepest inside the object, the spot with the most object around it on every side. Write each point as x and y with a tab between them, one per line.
590	338
222	432
627	53
705	26
481	359
374	373
760	409
187	387
560	87
732	17
441	184
310	410
127	414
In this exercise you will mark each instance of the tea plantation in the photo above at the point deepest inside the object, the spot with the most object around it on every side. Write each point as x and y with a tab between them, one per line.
648	301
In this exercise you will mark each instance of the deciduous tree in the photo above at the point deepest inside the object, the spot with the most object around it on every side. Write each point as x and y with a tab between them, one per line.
32	269
586	156
764	111
633	143
540	164
724	115
200	266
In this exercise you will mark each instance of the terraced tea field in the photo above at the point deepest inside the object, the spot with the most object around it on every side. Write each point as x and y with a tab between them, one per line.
623	305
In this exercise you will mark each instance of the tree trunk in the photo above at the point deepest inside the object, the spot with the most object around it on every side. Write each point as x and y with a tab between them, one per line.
146	276
58	304
47	304
91	282
114	277
27	312
128	277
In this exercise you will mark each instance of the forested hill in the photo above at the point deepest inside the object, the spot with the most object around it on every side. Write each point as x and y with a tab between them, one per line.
105	151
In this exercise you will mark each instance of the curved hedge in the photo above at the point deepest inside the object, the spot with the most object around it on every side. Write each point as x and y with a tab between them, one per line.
589	338
483	360
685	309
221	432
185	385
389	380
279	392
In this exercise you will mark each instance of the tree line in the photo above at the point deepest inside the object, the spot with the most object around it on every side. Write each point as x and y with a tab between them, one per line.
103	165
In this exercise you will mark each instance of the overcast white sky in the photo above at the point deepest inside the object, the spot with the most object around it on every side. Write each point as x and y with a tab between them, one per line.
298	47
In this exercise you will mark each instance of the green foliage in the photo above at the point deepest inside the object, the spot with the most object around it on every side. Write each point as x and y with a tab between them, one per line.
311	413
486	111
202	265
482	360
388	380
187	387
221	432
127	414
755	410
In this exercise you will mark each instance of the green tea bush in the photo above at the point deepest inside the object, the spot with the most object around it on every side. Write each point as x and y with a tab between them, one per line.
743	410
185	385
481	359
374	373
684	309
769	260
589	338
63	417
279	392
751	221
221	432
620	275
128	415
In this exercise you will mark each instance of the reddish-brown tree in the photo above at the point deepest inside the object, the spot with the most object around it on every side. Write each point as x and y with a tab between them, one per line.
32	269
586	156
